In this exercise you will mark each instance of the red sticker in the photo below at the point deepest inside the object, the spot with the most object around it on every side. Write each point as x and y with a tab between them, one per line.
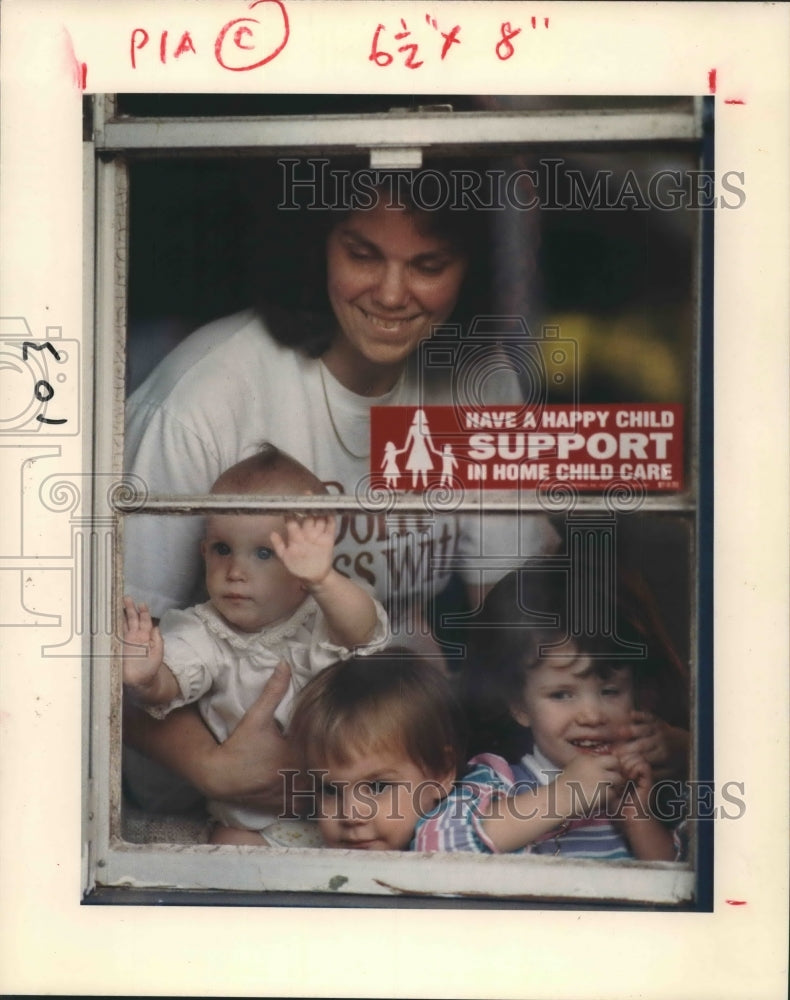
590	447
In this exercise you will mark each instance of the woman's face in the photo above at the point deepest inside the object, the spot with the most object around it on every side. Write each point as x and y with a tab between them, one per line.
388	284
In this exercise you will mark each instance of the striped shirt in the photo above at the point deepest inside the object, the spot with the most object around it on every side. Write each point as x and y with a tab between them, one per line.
456	824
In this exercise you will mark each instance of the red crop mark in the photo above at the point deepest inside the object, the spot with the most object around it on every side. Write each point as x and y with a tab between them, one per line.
712	81
78	70
735	902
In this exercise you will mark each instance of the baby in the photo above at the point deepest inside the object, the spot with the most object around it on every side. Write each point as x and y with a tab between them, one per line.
381	747
273	596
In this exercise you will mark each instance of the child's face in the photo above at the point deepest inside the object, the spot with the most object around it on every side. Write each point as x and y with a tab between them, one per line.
372	802
571	710
246	582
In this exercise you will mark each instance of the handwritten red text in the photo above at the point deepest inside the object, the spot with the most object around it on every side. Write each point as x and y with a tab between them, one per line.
241	44
411	48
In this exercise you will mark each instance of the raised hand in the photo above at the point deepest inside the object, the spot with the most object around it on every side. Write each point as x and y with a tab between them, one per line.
143	647
306	548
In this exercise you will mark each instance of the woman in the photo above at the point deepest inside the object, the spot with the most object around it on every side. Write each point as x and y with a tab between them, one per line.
392	273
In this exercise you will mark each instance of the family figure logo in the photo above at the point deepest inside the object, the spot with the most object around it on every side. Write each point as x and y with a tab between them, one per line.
422	457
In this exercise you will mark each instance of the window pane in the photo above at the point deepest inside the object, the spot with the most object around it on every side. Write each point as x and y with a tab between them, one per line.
597	260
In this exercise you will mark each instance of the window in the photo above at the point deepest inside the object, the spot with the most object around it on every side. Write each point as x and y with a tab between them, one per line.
610	278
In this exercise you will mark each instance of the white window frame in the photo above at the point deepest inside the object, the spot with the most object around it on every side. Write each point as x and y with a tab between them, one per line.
113	867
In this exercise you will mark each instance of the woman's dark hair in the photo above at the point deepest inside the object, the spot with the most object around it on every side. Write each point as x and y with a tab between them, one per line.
532	610
291	293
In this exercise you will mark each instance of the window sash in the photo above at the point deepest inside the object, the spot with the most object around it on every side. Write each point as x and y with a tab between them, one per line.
111	862
425	129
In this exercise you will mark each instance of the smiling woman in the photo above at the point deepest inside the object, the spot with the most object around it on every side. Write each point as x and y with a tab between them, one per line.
390	279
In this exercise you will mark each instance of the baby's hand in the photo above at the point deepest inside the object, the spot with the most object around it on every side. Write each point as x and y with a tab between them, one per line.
140	666
591	781
307	548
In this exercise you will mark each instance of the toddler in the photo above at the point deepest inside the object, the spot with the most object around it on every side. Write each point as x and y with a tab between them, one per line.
274	596
380	743
585	788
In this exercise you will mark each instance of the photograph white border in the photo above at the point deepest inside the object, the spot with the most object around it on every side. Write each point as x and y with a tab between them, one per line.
52	944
